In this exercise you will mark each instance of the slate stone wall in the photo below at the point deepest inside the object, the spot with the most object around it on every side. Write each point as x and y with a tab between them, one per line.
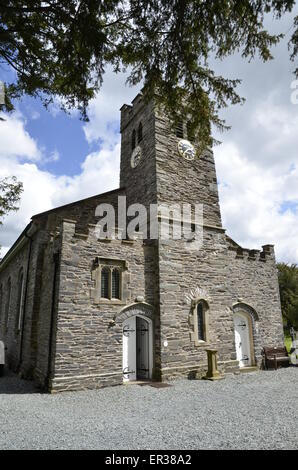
10	334
225	281
88	339
217	270
22	344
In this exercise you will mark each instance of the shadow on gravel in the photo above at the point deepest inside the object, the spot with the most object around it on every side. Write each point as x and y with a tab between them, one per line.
11	384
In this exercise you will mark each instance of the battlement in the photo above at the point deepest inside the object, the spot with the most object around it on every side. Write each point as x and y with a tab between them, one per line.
265	254
129	111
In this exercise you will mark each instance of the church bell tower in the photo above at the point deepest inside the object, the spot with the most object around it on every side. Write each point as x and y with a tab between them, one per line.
159	165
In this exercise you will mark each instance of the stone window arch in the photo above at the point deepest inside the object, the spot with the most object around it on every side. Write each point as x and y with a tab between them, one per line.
199	322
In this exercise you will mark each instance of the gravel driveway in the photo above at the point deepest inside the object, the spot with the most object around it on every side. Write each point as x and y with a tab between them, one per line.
248	411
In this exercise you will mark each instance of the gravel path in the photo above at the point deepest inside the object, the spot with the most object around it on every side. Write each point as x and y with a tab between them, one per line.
248	411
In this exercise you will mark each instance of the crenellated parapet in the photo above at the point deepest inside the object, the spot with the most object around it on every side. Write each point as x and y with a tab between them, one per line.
129	111
267	252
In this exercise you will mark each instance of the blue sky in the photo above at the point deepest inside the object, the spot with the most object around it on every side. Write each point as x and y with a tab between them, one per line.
56	133
60	158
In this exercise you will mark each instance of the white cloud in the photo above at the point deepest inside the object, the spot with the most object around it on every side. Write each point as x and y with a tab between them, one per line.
251	202
43	190
15	141
104	111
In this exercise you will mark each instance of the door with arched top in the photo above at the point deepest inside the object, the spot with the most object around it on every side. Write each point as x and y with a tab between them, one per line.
137	348
242	340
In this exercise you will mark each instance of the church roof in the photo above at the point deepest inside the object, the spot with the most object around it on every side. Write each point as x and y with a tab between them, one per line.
80	201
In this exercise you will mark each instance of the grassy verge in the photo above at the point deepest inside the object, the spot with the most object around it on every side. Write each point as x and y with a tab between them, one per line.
288	342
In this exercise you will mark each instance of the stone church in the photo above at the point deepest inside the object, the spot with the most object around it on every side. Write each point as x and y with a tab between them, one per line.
79	311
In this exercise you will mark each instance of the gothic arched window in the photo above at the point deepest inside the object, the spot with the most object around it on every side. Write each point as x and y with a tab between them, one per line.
20	300
7	306
105	283
115	284
110	280
133	139
201	322
140	133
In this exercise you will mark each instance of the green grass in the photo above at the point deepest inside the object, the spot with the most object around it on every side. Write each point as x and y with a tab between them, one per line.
288	342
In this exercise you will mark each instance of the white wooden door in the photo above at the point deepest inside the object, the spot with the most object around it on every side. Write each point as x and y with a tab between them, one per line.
129	349
242	341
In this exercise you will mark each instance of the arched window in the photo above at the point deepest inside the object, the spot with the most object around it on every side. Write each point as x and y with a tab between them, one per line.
201	322
20	300
105	283
7	306
110	280
179	129
133	139
140	133
115	284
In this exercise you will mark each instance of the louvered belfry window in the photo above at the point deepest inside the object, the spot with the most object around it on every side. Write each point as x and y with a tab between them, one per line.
140	133
105	276
133	140
190	132
115	284
179	129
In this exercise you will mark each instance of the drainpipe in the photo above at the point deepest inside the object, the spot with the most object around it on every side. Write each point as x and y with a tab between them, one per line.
50	344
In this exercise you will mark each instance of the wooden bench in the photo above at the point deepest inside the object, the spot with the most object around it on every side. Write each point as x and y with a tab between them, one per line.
275	356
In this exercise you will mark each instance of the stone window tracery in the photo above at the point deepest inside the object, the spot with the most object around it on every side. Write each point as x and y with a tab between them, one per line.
111	280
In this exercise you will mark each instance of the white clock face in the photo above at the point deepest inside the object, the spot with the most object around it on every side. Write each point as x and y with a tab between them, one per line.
186	149
136	157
